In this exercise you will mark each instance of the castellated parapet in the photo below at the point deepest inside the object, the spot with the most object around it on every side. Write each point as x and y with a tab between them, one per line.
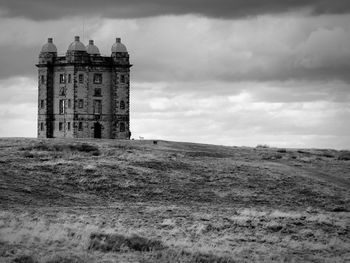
84	94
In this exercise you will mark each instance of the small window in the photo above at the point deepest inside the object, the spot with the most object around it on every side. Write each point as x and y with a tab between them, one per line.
122	105
97	78
62	91
42	104
62	106
122	78
122	127
81	78
62	78
69	103
41	126
97	92
81	103
42	79
97	107
69	78
60	126
68	126
80	126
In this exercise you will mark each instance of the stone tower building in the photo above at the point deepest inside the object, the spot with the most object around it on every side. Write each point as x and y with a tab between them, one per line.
84	94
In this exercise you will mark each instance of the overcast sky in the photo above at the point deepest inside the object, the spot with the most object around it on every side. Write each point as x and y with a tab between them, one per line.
232	72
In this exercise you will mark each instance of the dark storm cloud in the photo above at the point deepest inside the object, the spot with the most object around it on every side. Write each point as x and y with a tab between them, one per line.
44	9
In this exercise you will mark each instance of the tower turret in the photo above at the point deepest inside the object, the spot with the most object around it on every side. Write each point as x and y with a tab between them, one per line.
121	90
92	49
48	52
76	52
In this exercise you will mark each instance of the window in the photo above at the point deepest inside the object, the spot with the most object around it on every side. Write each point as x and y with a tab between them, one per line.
68	126
69	103
60	126
62	78
80	127
97	107
42	104
122	127
69	78
62	91
41	126
122	78
42	79
81	78
122	105
81	103
97	78
62	106
97	92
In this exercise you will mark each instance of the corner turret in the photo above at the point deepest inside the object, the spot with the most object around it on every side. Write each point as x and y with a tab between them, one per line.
48	52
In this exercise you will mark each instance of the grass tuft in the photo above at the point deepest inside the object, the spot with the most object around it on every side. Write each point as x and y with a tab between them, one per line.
24	259
180	255
344	156
60	147
65	259
117	243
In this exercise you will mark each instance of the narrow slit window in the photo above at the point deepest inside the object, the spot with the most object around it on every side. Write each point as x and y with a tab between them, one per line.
81	78
60	126
62	91
62	106
81	103
68	126
122	78
122	105
62	78
122	127
80	126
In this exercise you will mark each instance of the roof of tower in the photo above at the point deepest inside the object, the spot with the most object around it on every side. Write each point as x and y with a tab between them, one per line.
118	46
92	49
49	47
76	45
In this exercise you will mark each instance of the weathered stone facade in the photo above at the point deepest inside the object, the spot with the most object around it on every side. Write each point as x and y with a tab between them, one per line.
84	94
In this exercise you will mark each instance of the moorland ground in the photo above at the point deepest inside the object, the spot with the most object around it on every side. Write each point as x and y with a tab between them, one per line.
136	201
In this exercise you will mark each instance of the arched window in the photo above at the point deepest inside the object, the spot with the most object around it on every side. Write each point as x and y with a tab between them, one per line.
122	127
122	105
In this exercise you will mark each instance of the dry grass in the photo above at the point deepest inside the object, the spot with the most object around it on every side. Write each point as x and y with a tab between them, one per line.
171	202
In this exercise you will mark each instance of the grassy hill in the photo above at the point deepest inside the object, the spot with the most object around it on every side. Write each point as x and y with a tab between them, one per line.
136	201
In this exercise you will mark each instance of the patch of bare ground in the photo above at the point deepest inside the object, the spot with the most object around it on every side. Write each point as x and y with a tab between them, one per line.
135	201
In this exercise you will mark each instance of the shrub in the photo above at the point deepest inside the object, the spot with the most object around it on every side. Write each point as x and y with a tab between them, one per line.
262	146
84	148
282	150
344	156
65	259
59	147
28	154
24	259
116	242
174	256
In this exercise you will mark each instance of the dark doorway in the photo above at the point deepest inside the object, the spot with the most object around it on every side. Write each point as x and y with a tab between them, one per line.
97	130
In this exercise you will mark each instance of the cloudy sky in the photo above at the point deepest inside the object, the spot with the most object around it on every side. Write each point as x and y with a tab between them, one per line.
231	72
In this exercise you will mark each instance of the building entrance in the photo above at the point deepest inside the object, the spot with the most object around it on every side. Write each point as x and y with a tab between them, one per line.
97	130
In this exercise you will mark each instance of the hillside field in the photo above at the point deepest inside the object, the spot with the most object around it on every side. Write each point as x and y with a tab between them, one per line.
76	201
